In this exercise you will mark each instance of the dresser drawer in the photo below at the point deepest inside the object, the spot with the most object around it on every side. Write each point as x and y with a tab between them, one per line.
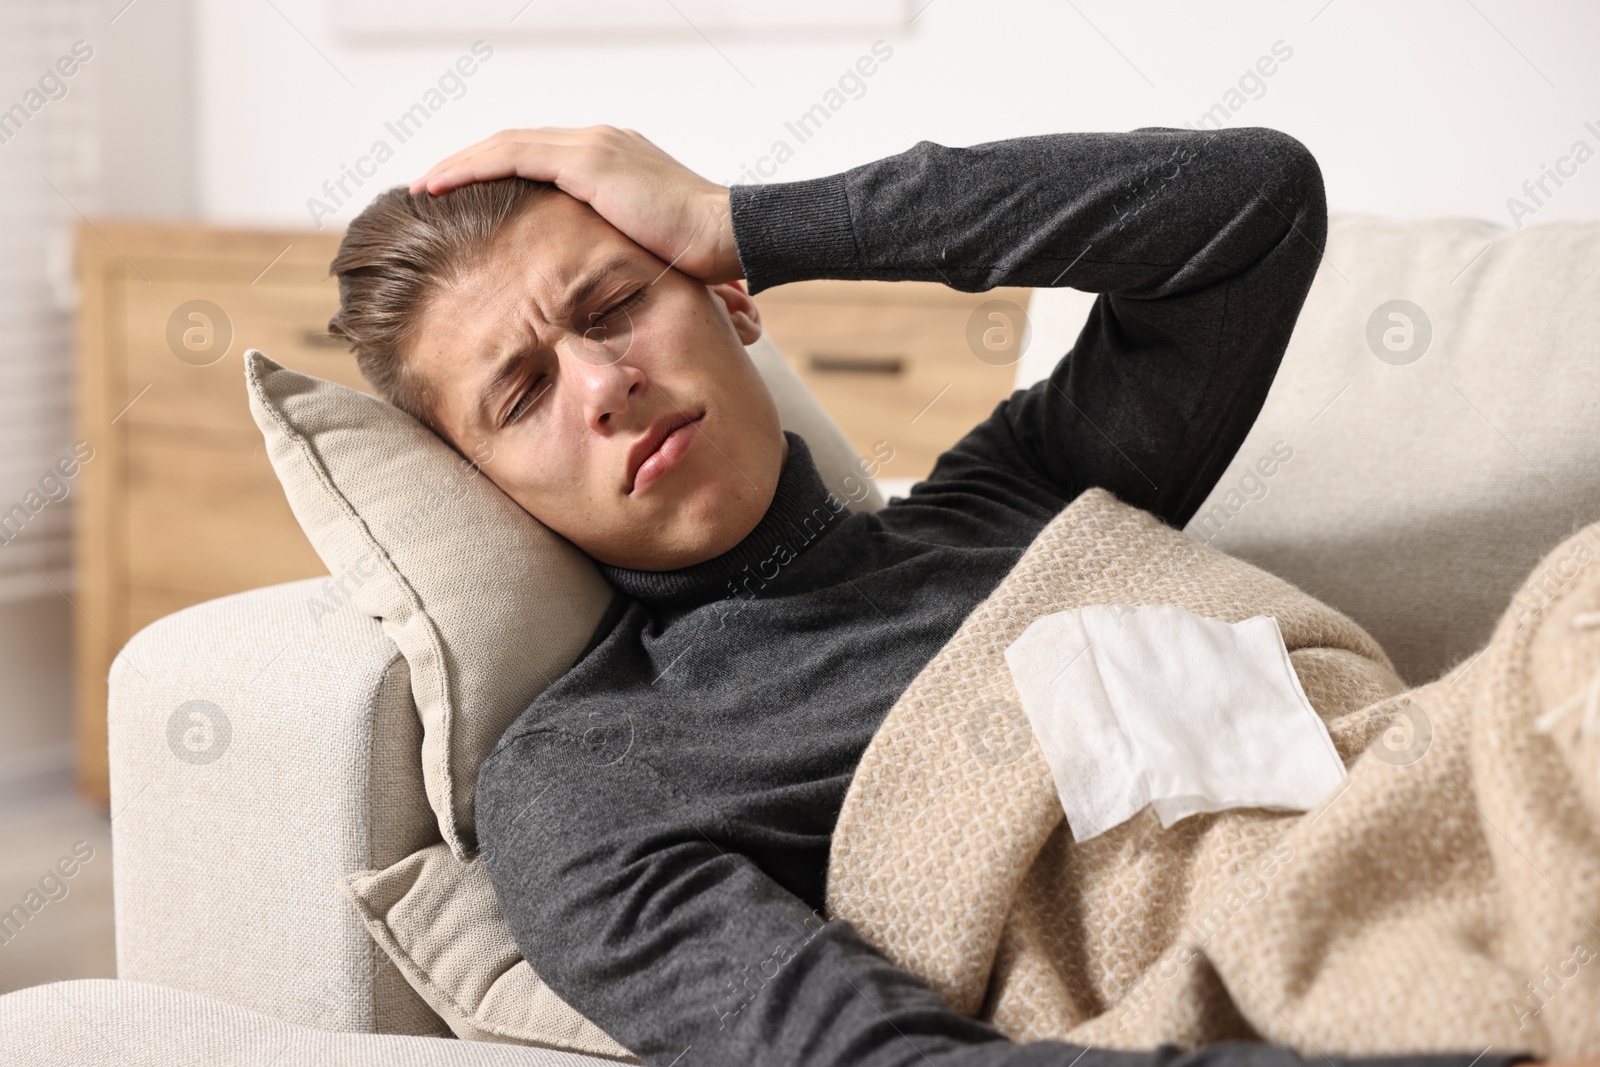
208	518
893	362
287	319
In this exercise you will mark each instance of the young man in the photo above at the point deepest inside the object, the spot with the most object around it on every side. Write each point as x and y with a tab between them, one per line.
657	823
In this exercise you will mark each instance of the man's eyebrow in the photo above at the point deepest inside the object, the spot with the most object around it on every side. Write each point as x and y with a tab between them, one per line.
580	294
585	288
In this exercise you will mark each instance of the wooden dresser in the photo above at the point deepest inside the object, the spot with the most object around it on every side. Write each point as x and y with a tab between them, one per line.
180	505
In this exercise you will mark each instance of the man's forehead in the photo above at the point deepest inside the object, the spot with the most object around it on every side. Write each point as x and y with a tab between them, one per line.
547	260
556	241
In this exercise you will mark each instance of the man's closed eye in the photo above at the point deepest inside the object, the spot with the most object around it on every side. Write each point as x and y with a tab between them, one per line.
602	323
530	396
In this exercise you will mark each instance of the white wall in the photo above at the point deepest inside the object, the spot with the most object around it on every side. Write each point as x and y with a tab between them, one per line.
118	138
145	97
1433	107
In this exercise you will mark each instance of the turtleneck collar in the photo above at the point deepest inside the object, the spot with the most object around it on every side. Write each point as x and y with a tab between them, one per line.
802	510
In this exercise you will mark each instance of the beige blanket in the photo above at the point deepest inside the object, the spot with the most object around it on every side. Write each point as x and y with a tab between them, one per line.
1447	897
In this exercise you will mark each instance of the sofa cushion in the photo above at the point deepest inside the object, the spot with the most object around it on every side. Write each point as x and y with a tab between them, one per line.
487	605
1431	433
116	1021
438	920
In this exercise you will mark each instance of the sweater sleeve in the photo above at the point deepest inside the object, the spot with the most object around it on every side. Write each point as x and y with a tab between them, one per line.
1201	244
620	897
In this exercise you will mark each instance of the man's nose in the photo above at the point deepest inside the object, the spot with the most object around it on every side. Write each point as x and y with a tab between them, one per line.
607	381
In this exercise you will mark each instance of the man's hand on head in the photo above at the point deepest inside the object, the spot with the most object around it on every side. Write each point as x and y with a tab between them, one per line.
660	204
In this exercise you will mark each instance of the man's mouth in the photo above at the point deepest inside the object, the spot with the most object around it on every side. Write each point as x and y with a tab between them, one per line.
660	448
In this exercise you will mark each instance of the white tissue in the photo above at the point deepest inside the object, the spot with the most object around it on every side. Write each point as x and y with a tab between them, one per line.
1156	705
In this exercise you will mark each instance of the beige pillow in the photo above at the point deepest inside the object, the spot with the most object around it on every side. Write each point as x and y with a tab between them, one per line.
487	605
437	918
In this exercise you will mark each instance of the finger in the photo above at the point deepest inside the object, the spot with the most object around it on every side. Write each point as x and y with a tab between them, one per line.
528	160
534	161
504	142
457	156
485	162
511	141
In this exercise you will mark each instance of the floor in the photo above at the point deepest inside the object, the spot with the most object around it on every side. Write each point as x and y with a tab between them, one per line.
69	931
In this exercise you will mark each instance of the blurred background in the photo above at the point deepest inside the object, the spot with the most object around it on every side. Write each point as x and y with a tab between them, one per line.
175	174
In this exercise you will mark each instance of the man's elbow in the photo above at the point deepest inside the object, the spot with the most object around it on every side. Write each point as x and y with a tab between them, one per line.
1290	180
1281	204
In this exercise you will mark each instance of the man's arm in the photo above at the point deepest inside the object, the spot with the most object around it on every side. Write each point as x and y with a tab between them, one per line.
1203	244
618	895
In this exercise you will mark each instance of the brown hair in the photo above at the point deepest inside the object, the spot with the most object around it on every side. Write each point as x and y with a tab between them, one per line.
396	256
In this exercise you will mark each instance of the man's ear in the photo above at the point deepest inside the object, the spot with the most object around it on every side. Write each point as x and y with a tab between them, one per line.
741	308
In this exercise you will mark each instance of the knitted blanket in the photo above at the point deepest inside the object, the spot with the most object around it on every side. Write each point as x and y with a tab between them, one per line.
1445	898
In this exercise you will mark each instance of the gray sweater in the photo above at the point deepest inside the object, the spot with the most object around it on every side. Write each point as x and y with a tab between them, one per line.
656	824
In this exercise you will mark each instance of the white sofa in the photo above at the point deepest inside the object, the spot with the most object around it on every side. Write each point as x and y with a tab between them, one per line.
1419	491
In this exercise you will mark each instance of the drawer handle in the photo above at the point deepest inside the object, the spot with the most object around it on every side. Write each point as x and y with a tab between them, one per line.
832	363
322	339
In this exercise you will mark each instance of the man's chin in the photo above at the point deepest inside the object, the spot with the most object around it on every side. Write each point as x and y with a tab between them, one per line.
693	513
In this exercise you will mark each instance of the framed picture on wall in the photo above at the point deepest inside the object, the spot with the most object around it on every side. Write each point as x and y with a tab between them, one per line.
404	21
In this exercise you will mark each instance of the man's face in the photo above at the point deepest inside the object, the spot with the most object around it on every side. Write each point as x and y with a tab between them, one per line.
560	361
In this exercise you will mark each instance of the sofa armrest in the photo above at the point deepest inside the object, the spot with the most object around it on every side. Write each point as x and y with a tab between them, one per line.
100	1021
263	745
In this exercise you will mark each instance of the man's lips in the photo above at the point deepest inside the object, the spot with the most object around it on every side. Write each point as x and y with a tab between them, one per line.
660	448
